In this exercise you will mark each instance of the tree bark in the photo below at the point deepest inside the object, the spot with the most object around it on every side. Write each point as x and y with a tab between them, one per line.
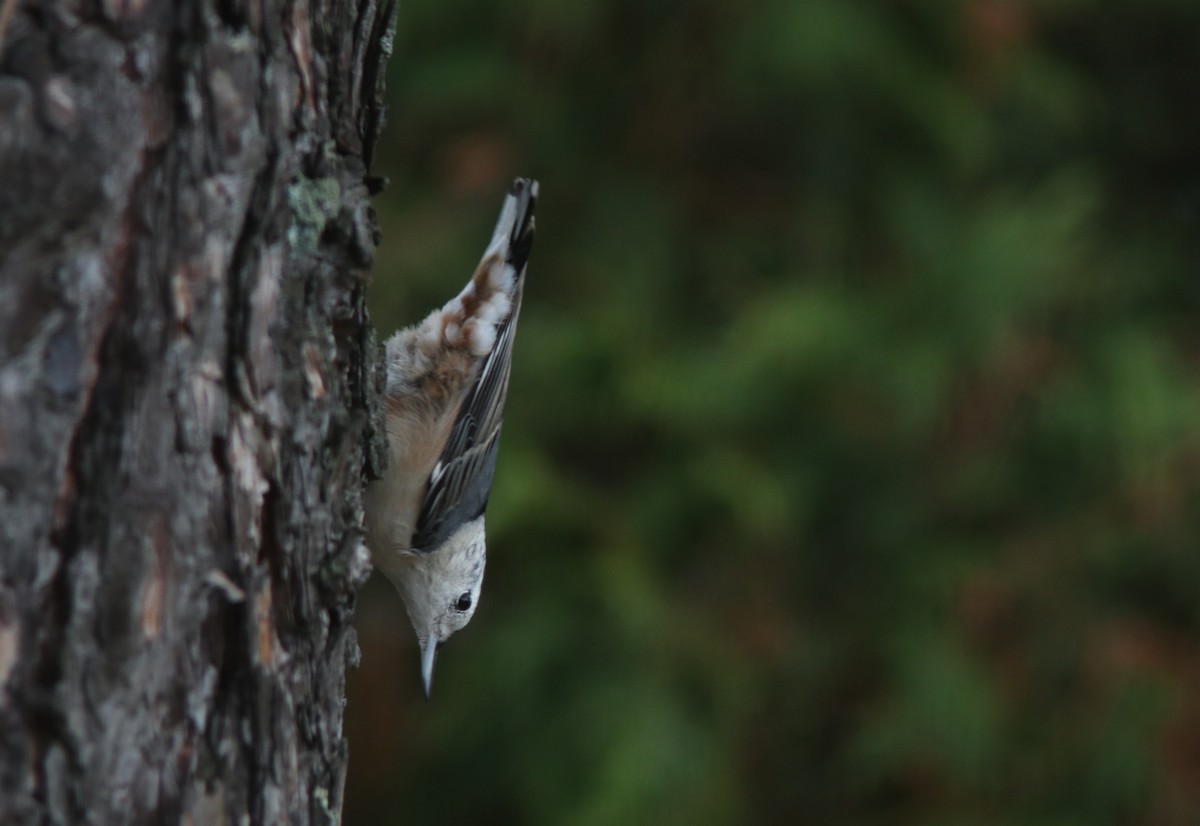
188	403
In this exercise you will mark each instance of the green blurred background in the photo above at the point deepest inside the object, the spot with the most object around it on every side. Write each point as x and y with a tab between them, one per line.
852	456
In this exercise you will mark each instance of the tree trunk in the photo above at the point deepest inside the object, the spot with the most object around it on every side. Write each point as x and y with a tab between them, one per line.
188	403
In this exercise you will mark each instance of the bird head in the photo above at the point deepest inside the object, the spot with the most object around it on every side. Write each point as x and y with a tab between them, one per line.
441	591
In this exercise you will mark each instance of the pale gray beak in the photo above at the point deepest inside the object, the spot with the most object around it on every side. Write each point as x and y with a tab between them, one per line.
428	655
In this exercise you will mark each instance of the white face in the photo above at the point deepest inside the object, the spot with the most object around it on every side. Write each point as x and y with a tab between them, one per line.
441	589
454	605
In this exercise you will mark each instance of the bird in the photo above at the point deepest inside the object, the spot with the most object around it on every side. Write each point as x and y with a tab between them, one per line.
447	382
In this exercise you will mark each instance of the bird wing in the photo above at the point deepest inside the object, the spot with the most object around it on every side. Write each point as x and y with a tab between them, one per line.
462	478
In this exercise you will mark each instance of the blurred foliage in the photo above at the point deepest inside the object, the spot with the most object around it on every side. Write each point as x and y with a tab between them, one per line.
851	471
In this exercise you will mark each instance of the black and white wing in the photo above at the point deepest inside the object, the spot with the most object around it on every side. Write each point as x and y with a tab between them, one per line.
462	478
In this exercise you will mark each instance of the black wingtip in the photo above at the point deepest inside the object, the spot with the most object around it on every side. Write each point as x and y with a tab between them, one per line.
525	190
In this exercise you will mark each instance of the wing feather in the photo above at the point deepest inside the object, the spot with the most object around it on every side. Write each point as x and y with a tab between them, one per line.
462	477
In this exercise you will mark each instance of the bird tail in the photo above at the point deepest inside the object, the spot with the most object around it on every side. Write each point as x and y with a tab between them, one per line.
478	317
525	193
513	236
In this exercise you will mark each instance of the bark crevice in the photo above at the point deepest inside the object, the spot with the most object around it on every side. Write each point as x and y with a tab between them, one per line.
188	406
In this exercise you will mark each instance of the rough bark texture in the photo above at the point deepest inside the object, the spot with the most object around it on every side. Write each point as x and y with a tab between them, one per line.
187	382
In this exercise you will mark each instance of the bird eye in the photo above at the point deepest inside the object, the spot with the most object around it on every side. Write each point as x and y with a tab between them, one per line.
464	602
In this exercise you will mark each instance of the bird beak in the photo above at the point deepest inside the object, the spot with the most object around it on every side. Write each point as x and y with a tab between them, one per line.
428	655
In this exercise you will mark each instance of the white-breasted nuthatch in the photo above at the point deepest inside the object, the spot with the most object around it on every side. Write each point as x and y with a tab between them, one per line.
447	379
